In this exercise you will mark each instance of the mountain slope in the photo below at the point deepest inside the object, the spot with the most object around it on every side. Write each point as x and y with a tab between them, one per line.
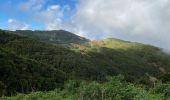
93	62
55	37
24	74
20	74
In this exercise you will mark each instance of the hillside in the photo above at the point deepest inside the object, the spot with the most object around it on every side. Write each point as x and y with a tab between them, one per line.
54	37
23	74
95	61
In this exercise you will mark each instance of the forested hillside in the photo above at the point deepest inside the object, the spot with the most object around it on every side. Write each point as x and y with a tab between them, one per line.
62	37
35	61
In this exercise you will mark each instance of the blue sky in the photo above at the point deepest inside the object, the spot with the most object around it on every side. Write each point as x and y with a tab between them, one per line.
10	9
145	21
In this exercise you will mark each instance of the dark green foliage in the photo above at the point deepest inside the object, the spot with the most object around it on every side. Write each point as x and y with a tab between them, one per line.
94	62
2	88
114	89
165	78
24	75
164	89
131	63
54	37
28	64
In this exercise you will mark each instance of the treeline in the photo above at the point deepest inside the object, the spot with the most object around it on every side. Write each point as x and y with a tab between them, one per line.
115	88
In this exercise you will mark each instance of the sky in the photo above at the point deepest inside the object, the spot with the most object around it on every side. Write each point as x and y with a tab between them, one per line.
144	21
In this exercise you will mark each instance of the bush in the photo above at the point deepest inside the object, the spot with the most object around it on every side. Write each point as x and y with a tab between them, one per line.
164	89
114	89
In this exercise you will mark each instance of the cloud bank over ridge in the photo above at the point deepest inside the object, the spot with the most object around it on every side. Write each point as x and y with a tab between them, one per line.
145	21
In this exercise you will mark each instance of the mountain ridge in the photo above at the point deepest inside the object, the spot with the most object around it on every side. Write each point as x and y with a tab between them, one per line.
92	62
53	36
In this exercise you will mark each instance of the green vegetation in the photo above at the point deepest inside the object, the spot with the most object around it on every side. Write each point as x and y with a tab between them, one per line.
54	37
23	75
114	89
33	61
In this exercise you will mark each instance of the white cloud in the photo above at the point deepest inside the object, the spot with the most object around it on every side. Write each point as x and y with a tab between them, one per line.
31	5
52	17
16	25
144	21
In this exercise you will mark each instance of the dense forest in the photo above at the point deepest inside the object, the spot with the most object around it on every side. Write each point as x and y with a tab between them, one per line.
54	65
